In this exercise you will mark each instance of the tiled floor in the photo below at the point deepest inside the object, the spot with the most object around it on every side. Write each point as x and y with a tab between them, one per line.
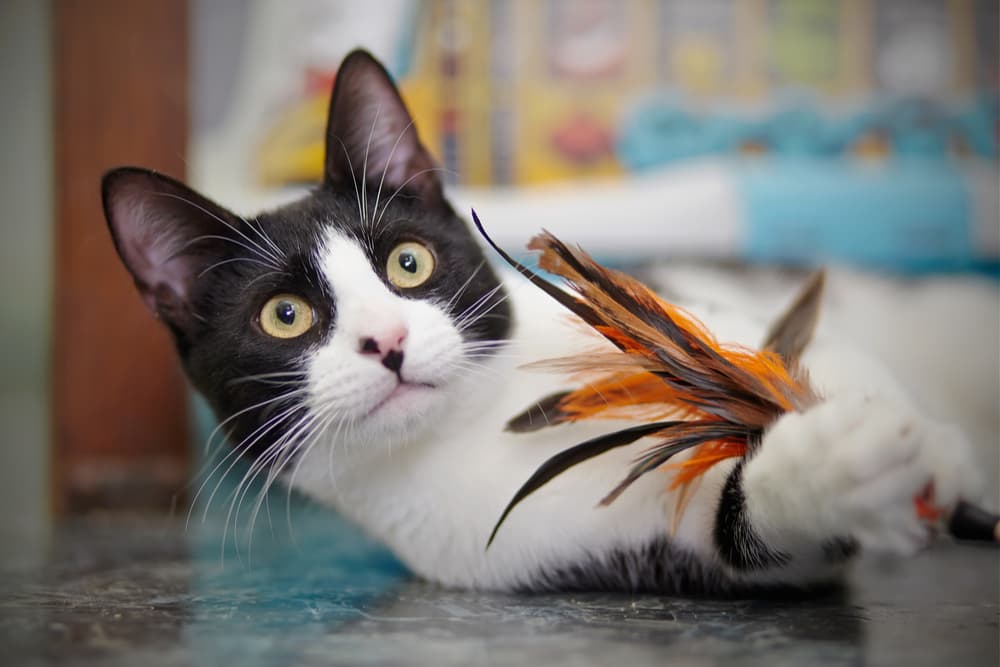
148	592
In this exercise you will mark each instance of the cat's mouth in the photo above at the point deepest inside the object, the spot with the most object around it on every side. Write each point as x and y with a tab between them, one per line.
402	390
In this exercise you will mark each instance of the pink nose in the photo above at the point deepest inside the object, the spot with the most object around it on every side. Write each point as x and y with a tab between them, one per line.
388	346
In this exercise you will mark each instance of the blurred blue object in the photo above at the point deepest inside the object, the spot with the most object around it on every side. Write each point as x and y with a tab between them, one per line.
889	185
660	131
800	130
910	216
979	124
917	129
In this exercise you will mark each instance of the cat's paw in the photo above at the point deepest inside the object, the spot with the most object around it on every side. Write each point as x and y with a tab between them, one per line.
855	467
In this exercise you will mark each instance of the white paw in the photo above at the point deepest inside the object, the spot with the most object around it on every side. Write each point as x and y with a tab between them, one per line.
853	467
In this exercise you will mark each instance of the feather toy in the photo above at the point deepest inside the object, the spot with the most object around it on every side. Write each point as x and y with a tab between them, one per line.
693	392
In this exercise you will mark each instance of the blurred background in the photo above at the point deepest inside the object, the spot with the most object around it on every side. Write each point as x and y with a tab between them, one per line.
861	133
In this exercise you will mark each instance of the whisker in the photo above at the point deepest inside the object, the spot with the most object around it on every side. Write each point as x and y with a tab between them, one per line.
478	370
385	168
296	377
266	260
240	491
364	165
458	294
233	451
481	308
264	236
475	306
263	276
253	243
320	431
354	177
289	450
475	319
403	186
272	399
246	444
235	259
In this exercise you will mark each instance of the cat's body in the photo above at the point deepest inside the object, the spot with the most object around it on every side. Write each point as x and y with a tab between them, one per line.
358	346
435	498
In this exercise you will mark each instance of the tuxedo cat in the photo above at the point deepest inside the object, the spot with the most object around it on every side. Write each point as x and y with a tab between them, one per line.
359	346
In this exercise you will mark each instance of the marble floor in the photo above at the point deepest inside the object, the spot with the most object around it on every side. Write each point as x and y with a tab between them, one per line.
146	592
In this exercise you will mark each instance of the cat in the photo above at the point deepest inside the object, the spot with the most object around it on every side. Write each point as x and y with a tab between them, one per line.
358	345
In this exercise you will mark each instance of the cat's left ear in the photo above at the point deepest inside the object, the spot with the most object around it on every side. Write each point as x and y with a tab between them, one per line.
167	235
370	135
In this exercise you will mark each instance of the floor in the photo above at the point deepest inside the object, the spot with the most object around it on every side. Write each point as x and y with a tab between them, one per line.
150	592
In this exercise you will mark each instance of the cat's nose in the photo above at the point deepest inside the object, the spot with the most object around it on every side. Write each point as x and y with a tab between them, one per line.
388	346
393	360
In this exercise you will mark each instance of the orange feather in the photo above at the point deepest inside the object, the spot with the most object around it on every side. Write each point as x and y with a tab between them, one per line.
669	366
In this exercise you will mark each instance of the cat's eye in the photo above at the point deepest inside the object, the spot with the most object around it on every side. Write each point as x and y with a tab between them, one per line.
409	265
286	316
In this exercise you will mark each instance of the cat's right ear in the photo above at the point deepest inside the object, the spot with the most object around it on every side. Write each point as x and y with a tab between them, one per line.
167	235
371	139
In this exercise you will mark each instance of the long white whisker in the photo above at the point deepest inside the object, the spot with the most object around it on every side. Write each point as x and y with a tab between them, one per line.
246	444
260	248
480	308
272	399
385	207
240	489
279	378
288	451
364	166
471	310
233	451
317	437
291	481
485	311
263	235
354	177
478	370
235	259
457	295
385	168
266	259
263	276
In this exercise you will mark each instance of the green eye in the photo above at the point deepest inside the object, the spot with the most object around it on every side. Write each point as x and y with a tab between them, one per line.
409	265
286	316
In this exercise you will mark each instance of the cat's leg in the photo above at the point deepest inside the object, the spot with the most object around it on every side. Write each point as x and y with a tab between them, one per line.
843	475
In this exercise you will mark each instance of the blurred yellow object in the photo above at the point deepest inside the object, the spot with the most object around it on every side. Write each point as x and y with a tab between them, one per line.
871	146
526	92
292	152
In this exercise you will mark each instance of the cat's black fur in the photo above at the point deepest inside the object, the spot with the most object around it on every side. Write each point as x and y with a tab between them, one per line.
207	272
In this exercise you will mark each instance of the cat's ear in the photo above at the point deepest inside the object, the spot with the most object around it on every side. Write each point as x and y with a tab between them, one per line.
167	235
370	135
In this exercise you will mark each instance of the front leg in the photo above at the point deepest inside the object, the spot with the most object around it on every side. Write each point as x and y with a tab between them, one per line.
843	475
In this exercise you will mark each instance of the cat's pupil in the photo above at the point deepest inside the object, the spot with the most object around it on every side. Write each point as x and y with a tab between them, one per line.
285	312
408	262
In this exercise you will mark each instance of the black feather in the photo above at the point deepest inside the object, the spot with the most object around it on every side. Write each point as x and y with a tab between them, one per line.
692	434
544	413
568	458
791	333
581	310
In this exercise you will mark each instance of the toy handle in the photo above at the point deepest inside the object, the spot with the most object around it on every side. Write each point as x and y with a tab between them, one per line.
969	522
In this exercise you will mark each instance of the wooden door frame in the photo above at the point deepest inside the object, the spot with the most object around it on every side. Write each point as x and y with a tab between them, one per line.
120	427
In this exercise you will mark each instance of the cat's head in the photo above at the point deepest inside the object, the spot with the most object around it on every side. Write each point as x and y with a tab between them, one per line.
359	310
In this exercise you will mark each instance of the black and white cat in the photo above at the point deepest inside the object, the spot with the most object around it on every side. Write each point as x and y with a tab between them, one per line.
359	346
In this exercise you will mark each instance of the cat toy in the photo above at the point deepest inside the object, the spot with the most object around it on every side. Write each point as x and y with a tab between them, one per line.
689	392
